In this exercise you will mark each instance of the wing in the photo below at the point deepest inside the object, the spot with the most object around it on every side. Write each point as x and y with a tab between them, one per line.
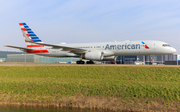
18	47
64	48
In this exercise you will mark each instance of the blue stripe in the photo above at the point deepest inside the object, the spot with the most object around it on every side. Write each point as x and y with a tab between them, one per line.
24	23
142	42
26	26
27	29
32	34
37	41
30	31
34	38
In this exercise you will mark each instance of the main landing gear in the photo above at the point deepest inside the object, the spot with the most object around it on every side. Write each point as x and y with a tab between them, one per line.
90	62
82	62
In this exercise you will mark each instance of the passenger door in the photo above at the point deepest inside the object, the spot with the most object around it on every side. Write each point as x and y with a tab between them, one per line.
154	46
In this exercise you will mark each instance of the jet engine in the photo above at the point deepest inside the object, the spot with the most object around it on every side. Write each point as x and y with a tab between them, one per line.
110	58
95	55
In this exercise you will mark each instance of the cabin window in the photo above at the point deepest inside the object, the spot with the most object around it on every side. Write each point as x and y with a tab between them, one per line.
166	45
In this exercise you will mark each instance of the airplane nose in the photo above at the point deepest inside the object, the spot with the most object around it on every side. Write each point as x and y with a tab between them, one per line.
173	50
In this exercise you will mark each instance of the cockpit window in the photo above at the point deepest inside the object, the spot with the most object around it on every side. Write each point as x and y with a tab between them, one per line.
166	45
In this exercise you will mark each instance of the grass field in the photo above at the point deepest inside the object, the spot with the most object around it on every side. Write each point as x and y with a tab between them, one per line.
50	83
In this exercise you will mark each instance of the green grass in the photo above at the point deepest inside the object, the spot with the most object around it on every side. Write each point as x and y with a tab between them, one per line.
47	82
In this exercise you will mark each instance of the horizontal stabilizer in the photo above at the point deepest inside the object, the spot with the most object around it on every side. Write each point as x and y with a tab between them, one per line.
18	47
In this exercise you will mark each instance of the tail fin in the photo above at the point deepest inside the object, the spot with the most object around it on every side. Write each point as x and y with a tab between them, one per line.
29	35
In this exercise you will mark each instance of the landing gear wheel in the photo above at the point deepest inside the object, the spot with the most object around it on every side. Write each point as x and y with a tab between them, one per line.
77	62
80	62
90	62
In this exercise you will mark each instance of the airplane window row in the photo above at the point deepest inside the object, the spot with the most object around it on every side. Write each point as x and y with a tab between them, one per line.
91	47
166	45
84	47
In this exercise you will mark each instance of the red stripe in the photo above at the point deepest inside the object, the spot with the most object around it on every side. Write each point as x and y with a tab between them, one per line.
26	41
20	24
35	45
28	35
146	46
24	29
37	51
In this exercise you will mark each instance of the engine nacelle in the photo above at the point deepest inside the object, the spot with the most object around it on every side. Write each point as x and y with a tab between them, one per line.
110	58
95	55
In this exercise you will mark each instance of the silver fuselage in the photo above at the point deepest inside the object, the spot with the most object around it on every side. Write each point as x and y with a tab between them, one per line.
124	48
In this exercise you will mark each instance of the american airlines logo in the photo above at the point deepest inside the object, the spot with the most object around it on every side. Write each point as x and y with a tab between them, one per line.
144	45
124	46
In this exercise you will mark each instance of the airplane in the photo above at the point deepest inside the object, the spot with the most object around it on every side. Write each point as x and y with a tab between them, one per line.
102	51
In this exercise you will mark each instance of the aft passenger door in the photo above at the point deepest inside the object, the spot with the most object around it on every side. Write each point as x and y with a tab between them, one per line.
154	46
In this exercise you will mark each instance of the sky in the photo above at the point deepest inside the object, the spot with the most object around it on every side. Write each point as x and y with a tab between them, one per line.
83	21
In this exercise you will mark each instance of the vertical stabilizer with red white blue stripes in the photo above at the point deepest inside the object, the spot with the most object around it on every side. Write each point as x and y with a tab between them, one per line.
31	36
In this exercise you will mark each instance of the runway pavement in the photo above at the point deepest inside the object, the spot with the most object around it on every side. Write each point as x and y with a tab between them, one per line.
57	64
